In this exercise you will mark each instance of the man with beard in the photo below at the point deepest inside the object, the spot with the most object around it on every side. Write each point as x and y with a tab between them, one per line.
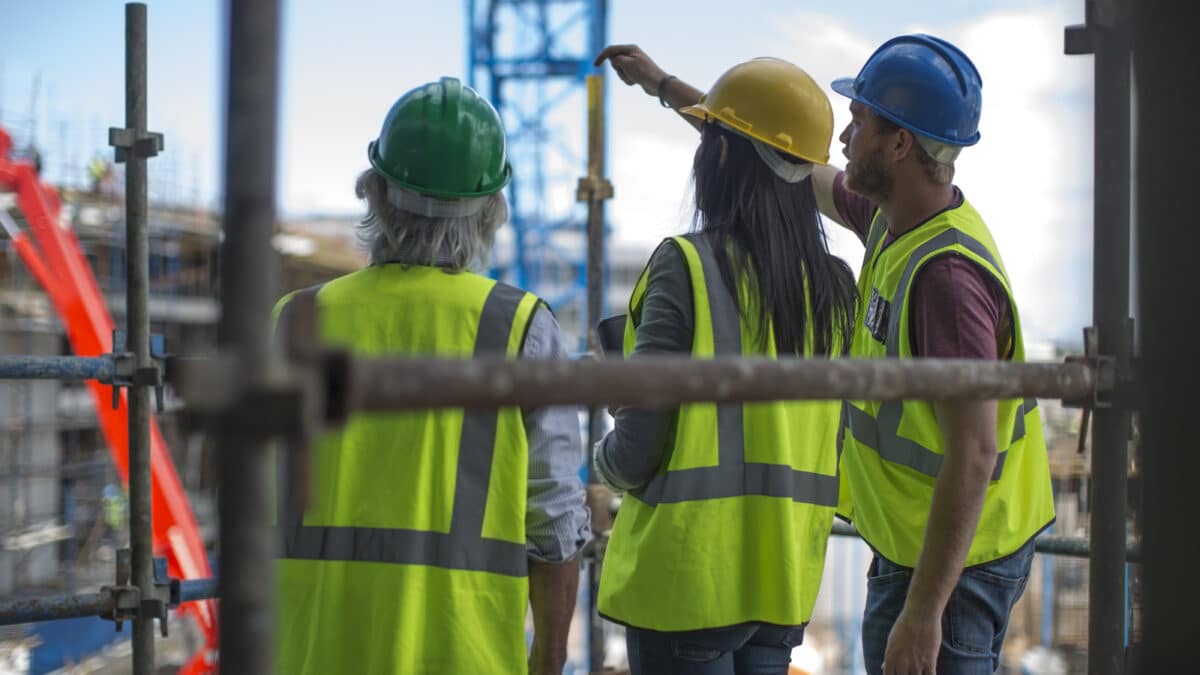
949	494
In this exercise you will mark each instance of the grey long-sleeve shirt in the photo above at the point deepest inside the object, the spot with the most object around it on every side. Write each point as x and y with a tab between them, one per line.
629	455
557	521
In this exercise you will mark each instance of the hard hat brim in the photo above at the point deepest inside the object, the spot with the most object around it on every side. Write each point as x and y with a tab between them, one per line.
845	87
701	112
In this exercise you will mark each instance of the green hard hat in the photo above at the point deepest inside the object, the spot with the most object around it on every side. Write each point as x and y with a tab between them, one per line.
444	140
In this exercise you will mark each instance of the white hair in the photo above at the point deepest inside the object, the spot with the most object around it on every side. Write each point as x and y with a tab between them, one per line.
458	243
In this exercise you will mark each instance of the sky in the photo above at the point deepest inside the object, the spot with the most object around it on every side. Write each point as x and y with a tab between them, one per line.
62	65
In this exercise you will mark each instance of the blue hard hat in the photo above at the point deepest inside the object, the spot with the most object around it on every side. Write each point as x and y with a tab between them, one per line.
924	84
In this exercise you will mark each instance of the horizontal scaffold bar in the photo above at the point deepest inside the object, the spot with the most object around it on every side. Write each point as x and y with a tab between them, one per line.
52	607
1051	544
391	384
56	368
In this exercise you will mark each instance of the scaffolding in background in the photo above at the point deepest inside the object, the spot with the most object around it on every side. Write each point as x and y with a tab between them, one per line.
531	59
286	391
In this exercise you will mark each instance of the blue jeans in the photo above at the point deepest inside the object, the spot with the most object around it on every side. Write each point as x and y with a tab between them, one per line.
973	624
739	650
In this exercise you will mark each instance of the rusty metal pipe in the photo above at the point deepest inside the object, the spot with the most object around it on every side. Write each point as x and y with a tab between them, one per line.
48	608
598	191
393	384
52	607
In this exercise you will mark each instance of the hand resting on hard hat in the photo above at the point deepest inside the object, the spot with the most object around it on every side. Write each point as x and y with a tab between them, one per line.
633	66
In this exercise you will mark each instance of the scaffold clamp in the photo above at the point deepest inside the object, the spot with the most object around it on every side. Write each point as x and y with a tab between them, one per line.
126	598
128	601
145	144
1105	368
127	374
593	188
167	592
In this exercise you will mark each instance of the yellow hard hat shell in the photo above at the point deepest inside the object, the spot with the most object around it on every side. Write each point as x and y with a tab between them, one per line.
775	102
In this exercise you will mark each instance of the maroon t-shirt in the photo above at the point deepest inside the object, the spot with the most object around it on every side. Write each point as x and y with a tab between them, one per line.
958	309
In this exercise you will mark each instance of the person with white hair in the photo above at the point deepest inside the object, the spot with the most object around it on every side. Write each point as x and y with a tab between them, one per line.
428	534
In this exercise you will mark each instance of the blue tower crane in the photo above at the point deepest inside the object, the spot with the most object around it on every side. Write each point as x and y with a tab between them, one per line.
530	58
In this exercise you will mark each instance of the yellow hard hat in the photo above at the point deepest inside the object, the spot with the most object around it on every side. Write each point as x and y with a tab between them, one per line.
775	102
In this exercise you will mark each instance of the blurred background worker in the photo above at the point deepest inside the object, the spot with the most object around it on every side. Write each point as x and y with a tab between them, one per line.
717	552
428	534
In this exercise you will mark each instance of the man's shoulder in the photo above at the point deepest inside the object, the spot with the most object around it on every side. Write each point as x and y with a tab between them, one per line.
960	309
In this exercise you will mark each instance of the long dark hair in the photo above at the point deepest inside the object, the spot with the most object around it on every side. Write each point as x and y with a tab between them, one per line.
767	232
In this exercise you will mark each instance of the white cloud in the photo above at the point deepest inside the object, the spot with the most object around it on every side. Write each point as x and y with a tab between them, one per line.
1030	175
651	183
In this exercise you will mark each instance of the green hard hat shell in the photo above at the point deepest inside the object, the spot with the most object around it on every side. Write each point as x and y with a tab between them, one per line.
444	140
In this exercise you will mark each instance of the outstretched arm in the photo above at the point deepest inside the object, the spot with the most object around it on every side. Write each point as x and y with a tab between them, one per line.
634	67
823	177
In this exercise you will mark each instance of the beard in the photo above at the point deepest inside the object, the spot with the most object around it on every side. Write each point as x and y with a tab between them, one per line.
869	178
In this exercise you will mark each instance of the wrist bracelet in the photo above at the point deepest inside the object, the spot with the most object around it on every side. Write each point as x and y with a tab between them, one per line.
662	83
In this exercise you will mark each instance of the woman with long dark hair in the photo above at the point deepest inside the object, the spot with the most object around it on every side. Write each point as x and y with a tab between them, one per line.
717	553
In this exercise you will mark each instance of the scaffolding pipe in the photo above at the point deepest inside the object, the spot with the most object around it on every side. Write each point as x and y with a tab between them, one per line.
597	196
54	607
248	290
68	368
1167	138
1050	544
594	273
137	299
595	310
51	608
377	385
197	589
1107	35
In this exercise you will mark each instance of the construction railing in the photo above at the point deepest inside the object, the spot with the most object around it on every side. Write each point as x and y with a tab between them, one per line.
251	393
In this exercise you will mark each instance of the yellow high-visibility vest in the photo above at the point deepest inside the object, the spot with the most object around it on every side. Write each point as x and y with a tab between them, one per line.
411	555
893	450
733	527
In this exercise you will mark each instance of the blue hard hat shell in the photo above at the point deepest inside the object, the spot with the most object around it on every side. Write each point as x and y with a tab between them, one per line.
924	84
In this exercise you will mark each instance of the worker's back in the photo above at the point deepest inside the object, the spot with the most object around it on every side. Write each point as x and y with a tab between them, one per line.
410	557
731	530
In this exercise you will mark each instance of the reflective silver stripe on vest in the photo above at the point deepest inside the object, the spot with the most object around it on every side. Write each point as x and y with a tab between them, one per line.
882	433
943	240
733	476
883	437
407	547
463	547
875	232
